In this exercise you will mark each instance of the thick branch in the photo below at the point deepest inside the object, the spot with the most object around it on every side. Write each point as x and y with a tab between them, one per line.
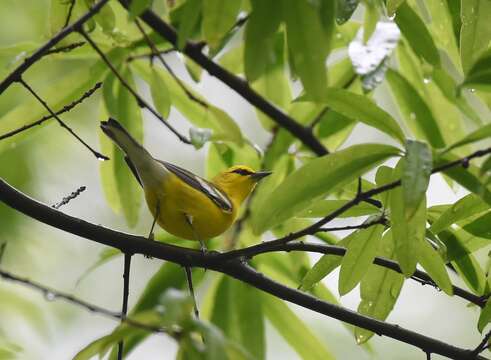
235	268
194	51
17	73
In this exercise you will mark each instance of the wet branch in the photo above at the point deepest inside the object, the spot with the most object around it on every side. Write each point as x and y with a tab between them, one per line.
97	154
65	109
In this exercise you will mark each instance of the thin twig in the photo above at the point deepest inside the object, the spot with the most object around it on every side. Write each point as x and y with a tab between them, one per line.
68	198
52	294
381	221
39	53
97	154
189	278
149	55
2	251
312	229
156	53
65	49
140	101
126	293
482	345
65	109
194	51
69	14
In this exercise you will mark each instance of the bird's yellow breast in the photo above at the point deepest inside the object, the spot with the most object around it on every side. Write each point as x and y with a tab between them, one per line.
177	200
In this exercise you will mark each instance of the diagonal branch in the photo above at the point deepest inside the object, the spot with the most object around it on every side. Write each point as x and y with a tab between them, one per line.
65	109
97	154
361	196
233	267
39	53
194	51
52	294
141	102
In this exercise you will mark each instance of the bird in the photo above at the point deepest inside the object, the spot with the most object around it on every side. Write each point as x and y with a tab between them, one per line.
182	203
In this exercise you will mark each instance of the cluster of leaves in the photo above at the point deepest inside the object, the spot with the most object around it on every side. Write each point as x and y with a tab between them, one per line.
430	56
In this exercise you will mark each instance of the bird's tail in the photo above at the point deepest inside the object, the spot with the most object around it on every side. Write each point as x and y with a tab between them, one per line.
121	137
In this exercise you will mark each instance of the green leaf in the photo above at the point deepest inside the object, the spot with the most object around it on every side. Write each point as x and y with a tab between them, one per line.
232	60
218	18
431	261
190	16
194	70
416	33
360	108
129	115
238	312
318	177
477	135
408	232
416	174
323	207
105	255
392	6
137	7
259	47
360	253
469	178
479	75
379	289
294	330
475	34
274	84
468	206
414	109
58	11
481	226
308	48
372	16
485	316
345	9
160	94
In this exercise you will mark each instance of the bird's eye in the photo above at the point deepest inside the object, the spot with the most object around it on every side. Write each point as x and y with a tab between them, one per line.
242	172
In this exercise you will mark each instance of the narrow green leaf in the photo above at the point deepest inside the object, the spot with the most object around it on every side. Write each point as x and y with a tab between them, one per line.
383	177
294	330
416	174
379	289
191	12
58	10
485	316
475	34
418	36
392	6
344	10
408	233
233	60
481	226
477	135
323	207
360	108
160	94
372	16
194	70
308	48
318	177
479	75
137	7
414	109
259	41
274	84
360	253
431	261
468	206
218	18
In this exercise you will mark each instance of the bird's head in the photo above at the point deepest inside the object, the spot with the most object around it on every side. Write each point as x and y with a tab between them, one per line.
238	181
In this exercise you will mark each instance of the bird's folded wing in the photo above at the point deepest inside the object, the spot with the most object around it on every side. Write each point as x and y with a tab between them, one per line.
200	184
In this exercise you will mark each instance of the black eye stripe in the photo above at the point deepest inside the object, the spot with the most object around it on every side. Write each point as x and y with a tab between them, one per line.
243	172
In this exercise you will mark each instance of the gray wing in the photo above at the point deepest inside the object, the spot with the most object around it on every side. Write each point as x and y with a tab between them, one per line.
200	184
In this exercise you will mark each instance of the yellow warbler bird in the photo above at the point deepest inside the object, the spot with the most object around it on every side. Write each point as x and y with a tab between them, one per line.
181	202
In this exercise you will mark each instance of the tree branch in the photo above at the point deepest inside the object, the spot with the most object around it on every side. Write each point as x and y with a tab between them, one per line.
361	196
194	51
233	267
65	109
52	294
141	102
38	54
126	293
68	198
97	154
65	49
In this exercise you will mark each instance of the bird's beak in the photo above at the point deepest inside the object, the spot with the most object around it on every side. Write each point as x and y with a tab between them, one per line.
259	175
